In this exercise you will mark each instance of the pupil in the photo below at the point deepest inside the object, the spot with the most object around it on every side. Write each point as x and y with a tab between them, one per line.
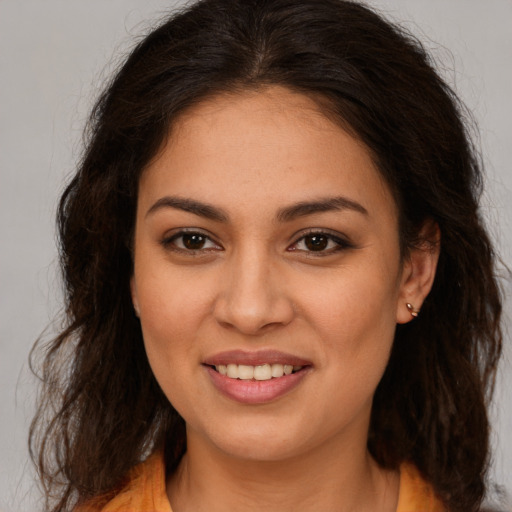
316	242
193	241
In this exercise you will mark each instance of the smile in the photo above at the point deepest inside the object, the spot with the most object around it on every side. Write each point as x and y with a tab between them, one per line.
258	377
265	371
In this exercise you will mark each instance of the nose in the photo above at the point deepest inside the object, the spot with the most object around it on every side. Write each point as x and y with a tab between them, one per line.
253	296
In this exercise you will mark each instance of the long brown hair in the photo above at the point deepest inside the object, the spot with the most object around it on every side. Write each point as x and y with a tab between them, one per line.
101	410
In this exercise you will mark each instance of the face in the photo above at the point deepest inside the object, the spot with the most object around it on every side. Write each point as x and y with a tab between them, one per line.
266	243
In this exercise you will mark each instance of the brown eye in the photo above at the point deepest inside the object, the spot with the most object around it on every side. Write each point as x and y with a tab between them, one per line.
190	242
320	243
316	242
193	241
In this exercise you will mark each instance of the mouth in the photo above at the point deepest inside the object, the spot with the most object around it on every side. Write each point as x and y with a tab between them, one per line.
256	377
259	365
261	372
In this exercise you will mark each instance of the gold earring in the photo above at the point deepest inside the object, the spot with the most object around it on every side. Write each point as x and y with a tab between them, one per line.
414	312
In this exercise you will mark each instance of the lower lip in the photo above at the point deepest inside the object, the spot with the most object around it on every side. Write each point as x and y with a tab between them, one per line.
255	391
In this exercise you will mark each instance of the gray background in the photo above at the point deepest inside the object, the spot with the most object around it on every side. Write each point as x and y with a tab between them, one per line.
54	58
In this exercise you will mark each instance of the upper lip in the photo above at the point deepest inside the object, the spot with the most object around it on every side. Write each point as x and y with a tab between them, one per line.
255	358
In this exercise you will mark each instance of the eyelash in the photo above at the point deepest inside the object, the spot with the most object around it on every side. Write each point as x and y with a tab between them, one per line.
341	243
170	242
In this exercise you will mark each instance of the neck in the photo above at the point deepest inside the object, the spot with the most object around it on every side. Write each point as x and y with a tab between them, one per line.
328	478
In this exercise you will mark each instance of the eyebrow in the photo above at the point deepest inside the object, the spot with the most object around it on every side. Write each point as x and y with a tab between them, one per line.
318	206
285	214
190	205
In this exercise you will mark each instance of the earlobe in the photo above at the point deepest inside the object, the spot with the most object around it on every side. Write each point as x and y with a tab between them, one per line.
412	310
418	273
135	300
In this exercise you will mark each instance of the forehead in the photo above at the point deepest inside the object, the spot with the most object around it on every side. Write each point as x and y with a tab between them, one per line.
242	115
269	145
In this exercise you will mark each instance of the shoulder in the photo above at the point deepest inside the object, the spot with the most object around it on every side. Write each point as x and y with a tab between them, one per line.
144	490
416	495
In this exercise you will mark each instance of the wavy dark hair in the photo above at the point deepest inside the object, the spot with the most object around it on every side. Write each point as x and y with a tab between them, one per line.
101	410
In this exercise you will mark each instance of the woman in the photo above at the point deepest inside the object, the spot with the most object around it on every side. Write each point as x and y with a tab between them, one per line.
280	292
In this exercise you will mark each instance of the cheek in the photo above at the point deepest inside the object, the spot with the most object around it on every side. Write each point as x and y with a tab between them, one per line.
354	313
172	311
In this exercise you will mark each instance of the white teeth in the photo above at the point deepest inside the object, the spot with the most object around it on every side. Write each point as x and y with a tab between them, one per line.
259	372
232	371
277	370
245	372
263	372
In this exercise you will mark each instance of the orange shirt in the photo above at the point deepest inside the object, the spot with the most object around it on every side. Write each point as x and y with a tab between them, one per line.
145	491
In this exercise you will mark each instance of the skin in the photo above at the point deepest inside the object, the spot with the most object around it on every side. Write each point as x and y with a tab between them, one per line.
255	285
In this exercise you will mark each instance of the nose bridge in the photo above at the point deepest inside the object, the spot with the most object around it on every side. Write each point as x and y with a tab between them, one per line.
253	292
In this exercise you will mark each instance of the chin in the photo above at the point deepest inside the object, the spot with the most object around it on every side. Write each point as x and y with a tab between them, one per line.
258	444
261	450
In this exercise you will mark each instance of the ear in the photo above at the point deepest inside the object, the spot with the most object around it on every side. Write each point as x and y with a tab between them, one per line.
418	273
135	299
